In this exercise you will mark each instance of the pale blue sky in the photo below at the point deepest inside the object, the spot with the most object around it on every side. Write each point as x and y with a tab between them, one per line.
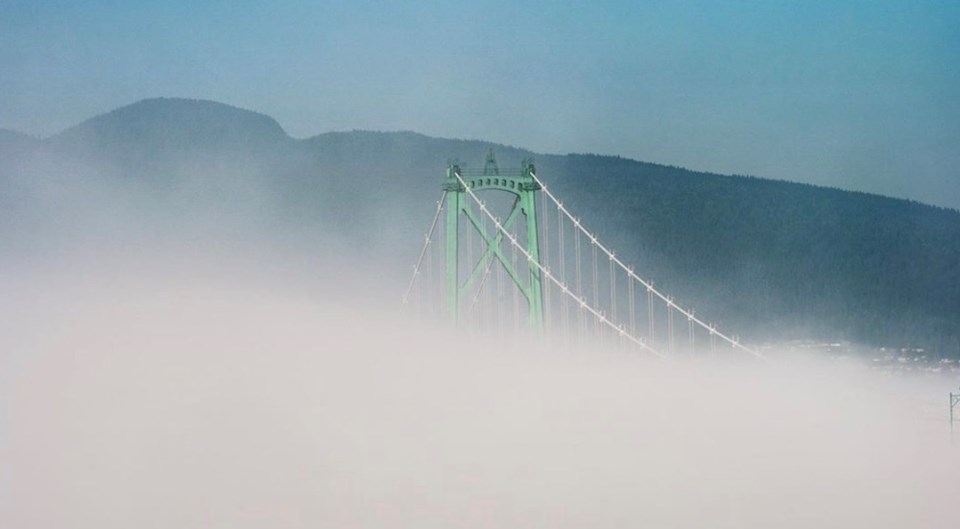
858	94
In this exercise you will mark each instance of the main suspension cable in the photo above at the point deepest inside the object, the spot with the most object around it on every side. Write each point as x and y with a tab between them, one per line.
550	276
423	251
734	342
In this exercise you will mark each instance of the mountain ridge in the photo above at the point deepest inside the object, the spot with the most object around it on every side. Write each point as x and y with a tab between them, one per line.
235	116
801	259
205	105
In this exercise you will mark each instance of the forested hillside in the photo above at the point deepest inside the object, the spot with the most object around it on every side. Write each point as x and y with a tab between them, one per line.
773	259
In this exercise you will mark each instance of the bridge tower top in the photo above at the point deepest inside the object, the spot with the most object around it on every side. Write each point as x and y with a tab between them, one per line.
490	164
522	184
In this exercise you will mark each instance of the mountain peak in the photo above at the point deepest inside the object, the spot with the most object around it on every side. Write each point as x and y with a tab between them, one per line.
9	135
172	122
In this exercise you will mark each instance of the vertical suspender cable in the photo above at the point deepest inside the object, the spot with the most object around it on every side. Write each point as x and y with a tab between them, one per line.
562	266
670	324
498	303
417	294
651	321
596	286
423	251
428	279
613	293
649	285
516	289
579	278
693	335
485	313
545	256
470	263
632	300
552	278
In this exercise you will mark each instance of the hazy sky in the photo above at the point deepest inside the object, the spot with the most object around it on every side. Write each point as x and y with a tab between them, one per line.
858	94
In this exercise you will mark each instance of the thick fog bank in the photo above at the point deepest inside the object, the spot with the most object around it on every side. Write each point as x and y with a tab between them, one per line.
138	399
192	358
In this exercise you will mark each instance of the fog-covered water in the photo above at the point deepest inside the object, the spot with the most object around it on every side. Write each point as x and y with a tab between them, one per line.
198	365
147	397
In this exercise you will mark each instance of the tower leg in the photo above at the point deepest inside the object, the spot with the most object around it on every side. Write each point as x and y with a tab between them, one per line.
453	266
524	187
529	205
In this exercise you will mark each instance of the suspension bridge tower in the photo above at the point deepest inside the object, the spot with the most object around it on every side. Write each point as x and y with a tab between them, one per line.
574	287
522	185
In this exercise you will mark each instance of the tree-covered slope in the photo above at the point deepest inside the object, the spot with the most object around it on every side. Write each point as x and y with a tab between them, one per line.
772	258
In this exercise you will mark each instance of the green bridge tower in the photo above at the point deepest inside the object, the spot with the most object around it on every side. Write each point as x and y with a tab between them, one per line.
523	186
